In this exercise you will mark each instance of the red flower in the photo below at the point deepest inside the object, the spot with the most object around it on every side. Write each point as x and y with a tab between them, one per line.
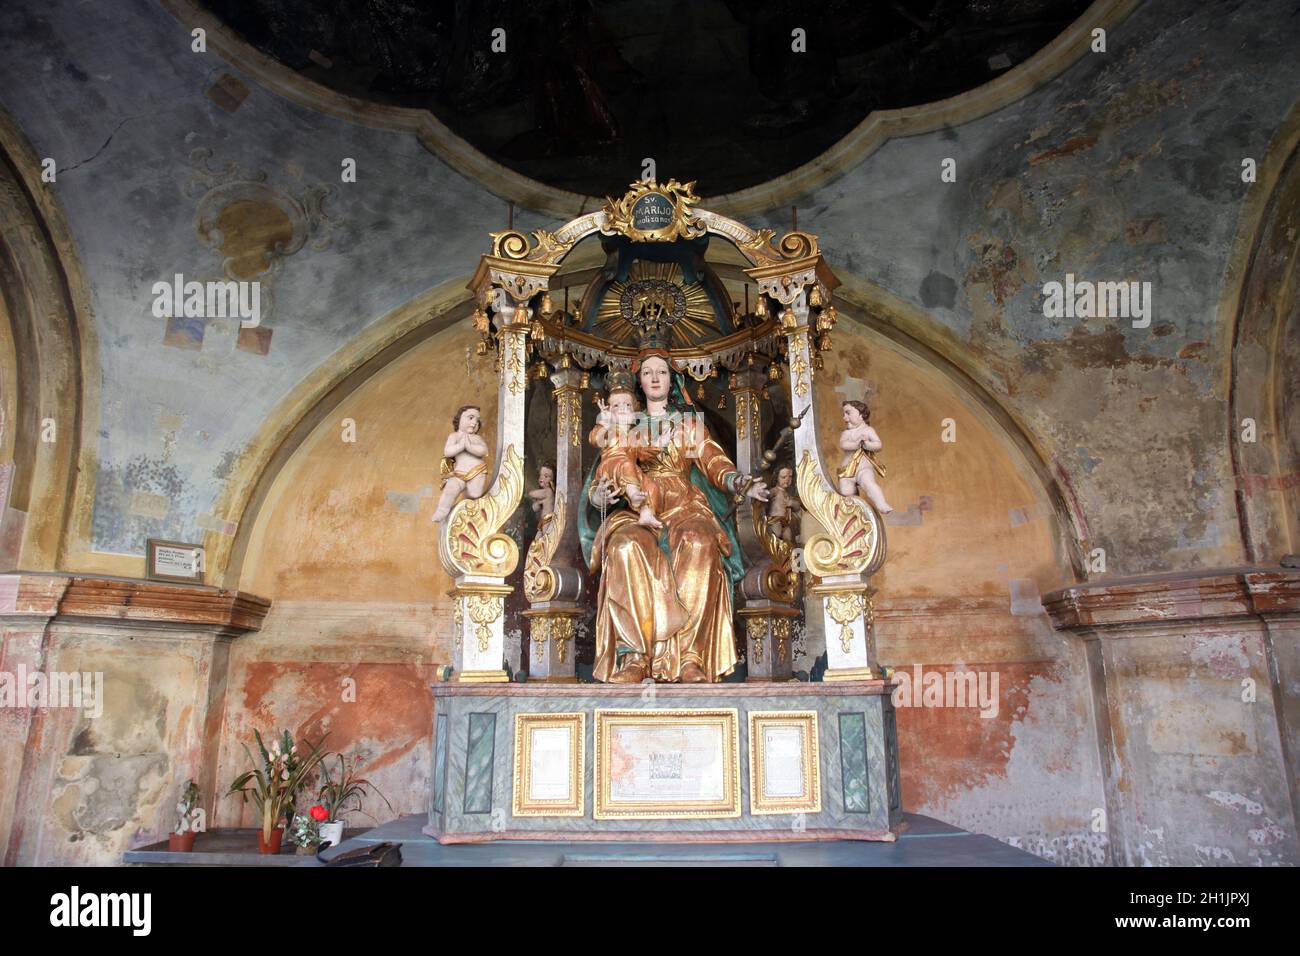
319	813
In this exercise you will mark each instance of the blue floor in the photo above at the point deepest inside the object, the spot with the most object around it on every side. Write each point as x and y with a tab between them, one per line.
925	842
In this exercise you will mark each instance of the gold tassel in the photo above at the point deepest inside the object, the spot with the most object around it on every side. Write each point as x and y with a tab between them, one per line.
699	393
722	402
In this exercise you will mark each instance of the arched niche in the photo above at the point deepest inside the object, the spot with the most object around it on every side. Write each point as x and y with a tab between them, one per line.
1263	320
48	371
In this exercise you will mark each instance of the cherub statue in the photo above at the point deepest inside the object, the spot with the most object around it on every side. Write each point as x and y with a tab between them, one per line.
465	461
783	507
543	496
860	468
613	431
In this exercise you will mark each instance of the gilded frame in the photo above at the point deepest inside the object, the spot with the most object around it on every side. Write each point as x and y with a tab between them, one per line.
810	801
727	721
574	805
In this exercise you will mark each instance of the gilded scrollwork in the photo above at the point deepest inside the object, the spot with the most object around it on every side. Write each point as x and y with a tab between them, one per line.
781	631
780	579
484	610
756	629
568	410
512	244
853	541
845	607
562	628
540	581
459	620
793	245
472	542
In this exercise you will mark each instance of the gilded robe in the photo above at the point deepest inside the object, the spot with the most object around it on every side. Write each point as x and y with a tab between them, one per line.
671	604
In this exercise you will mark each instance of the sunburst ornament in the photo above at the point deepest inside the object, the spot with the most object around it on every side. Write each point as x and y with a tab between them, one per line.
654	304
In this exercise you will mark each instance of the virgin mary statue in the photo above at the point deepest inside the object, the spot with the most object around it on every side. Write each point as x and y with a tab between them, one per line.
664	606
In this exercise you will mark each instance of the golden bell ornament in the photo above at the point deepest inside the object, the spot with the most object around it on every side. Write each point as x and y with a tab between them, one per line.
480	320
824	342
749	359
815	297
546	307
787	318
830	315
535	331
541	371
566	361
774	372
699	392
732	383
722	402
586	381
818	364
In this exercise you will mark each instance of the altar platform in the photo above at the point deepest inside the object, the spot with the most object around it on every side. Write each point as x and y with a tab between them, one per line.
923	841
761	763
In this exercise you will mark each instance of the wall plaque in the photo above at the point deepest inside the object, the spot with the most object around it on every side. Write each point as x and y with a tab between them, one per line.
174	561
652	764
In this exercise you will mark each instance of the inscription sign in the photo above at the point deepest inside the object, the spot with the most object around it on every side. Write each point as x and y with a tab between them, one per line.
673	763
652	211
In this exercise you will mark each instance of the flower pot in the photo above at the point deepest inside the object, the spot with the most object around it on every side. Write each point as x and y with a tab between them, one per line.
331	833
271	846
181	842
305	850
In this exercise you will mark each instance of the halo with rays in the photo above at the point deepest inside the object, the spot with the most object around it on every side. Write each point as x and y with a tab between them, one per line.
655	294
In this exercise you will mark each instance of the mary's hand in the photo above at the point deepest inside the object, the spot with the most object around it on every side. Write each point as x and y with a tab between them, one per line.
604	492
759	490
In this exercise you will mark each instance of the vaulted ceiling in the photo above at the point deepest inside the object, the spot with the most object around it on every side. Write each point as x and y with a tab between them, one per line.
588	89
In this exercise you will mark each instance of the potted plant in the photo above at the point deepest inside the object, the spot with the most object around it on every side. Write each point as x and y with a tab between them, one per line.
274	785
182	840
340	794
306	830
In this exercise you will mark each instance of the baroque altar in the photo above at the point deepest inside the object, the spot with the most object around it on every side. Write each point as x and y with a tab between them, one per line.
688	536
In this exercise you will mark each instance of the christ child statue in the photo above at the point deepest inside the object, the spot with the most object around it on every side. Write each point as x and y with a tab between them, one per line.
613	435
858	473
783	507
543	497
464	465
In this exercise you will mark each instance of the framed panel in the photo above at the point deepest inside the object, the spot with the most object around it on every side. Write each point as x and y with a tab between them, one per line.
667	764
549	752
853	762
784	762
480	761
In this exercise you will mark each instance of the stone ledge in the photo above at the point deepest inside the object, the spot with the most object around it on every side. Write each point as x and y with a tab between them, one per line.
71	598
1220	593
700	692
